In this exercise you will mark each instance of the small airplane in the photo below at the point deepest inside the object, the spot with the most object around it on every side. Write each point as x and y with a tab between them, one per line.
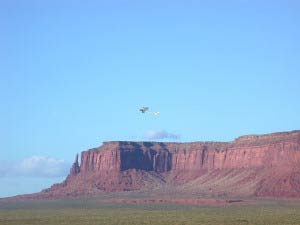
144	109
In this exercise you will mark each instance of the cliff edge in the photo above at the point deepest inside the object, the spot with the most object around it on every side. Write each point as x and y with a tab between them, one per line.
251	165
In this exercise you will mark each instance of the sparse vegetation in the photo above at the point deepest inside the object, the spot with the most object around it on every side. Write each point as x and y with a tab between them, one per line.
88	211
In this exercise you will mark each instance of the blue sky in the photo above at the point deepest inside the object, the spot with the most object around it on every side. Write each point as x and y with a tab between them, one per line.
74	73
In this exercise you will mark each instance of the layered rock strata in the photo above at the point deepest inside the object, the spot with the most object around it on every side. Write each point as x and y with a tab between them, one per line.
261	165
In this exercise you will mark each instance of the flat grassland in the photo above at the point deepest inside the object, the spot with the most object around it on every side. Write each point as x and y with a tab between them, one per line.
97	210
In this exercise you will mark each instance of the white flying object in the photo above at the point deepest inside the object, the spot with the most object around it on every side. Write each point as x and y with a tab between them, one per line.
146	109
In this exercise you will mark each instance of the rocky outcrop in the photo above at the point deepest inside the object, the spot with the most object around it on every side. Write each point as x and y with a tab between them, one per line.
263	165
75	169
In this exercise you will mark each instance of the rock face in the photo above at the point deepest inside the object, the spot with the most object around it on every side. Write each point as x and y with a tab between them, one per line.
261	165
75	169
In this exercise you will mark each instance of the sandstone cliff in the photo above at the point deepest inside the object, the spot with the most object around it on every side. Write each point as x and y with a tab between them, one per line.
262	165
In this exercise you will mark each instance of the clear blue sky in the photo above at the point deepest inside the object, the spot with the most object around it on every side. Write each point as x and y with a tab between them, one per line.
74	74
